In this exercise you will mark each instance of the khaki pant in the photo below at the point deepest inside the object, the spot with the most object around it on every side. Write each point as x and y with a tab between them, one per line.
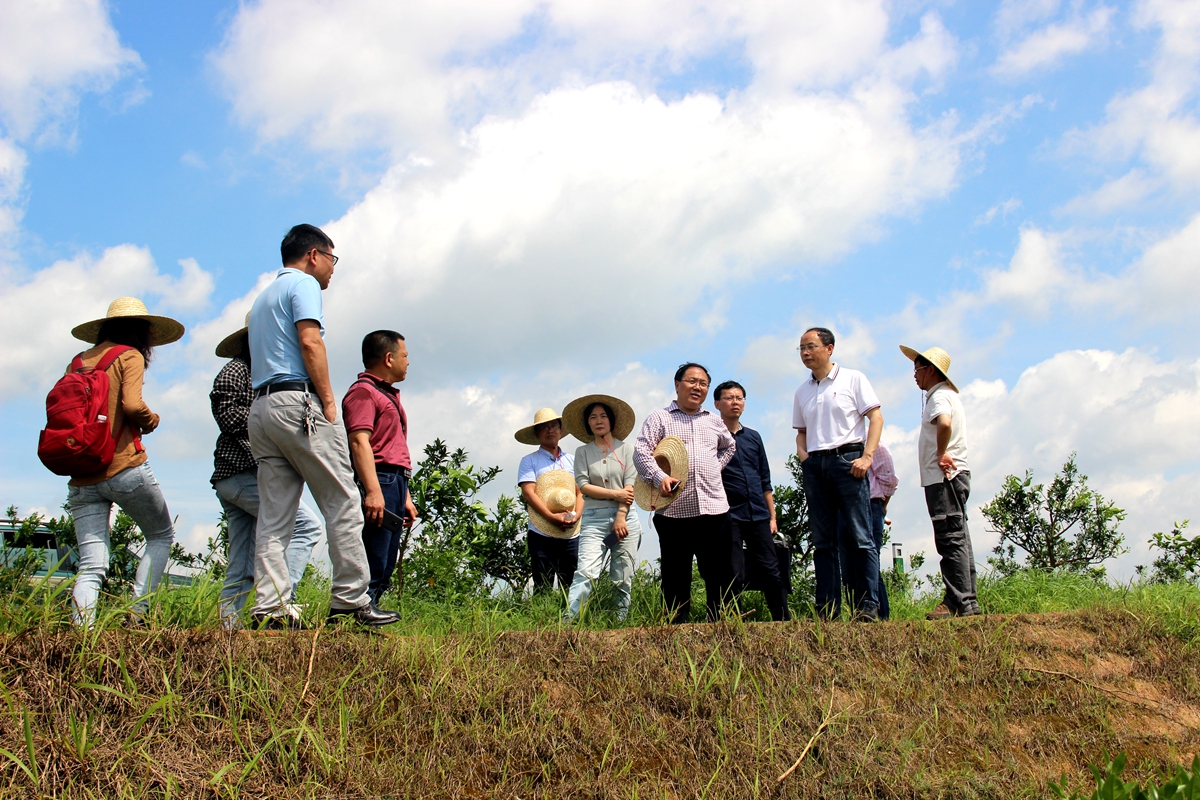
289	457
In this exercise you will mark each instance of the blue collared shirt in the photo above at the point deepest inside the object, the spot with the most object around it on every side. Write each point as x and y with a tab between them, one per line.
747	477
540	461
274	341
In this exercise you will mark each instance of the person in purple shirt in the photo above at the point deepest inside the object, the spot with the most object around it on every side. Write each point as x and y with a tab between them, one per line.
377	426
697	522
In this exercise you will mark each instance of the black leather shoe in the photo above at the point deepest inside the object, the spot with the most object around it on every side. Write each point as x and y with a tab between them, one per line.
268	622
370	615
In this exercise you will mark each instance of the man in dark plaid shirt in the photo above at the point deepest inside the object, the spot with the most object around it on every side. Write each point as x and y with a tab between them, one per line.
235	480
697	522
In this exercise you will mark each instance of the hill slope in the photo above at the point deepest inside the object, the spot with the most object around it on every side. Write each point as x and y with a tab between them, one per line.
987	707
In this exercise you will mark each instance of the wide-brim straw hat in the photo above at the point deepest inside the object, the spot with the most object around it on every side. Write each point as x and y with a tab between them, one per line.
556	487
163	330
672	457
526	434
576	425
232	344
936	356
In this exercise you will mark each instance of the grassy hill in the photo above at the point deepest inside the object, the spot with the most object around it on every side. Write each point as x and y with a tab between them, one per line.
984	707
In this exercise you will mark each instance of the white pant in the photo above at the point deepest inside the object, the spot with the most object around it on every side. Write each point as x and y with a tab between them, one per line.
596	541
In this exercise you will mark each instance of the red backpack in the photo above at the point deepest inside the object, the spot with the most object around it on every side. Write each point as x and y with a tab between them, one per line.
77	439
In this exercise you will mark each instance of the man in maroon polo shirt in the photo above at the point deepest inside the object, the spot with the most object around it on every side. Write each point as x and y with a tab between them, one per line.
378	432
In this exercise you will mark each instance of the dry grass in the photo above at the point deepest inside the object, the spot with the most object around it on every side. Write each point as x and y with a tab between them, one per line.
988	707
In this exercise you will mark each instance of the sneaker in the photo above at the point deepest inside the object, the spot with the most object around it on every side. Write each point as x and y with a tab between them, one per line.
970	611
369	615
941	612
272	622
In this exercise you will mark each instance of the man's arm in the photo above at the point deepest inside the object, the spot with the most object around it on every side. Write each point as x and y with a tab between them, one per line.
312	349
769	496
802	445
860	465
643	452
945	460
363	459
726	445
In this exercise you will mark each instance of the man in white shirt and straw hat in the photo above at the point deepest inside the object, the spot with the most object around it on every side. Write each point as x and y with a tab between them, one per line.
942	455
692	511
547	480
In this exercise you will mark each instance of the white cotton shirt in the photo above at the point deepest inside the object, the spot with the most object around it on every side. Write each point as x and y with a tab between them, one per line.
833	412
540	461
941	399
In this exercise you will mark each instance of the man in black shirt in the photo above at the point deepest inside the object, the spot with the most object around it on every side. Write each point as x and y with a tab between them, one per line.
747	480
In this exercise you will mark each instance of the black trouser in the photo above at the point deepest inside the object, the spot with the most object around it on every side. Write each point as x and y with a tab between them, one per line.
707	537
552	557
757	562
947	504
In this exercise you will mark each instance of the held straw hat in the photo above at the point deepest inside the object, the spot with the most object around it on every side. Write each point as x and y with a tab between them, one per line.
526	434
672	458
232	345
936	356
574	423
163	330
556	487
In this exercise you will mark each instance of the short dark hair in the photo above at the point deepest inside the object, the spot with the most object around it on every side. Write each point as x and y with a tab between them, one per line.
922	361
683	368
824	334
587	412
128	331
727	385
541	426
300	240
378	344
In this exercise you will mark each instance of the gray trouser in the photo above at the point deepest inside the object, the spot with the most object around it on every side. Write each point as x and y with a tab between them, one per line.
289	457
947	503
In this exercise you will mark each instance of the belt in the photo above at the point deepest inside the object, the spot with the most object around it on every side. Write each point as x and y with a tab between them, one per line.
853	447
283	386
404	472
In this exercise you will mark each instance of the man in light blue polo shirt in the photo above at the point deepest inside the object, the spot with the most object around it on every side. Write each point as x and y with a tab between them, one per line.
550	556
295	438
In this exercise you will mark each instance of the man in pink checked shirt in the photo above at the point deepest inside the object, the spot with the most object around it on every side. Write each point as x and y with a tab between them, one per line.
882	477
697	522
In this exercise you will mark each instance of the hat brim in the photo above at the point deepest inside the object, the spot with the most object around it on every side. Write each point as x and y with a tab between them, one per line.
645	494
527	436
545	525
573	422
233	344
912	356
163	330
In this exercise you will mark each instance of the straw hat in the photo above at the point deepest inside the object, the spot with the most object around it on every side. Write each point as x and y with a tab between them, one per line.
556	487
163	330
573	422
671	455
232	345
526	434
936	356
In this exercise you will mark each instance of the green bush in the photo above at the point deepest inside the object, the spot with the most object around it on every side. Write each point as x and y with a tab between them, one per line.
1109	785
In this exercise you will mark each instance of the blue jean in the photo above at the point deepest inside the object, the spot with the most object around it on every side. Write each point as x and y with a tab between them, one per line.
877	522
596	542
239	499
839	509
138	494
383	546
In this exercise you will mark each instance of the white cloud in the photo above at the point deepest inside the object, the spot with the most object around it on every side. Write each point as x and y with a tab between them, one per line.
55	299
53	53
1115	195
1048	46
12	177
1009	206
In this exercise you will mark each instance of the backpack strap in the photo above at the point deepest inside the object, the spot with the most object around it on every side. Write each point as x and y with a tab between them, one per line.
395	402
106	361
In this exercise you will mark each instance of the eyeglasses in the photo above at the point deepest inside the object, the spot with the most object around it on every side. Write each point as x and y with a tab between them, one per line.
332	257
920	367
808	348
695	382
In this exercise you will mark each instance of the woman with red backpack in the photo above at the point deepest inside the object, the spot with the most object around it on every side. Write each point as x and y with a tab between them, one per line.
124	343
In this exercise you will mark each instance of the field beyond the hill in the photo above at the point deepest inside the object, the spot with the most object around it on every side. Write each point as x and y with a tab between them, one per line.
991	706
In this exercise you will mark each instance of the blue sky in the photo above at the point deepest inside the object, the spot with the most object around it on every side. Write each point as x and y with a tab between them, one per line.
555	198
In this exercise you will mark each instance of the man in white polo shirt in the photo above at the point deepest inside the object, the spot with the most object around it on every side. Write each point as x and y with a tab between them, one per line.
836	445
942	454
